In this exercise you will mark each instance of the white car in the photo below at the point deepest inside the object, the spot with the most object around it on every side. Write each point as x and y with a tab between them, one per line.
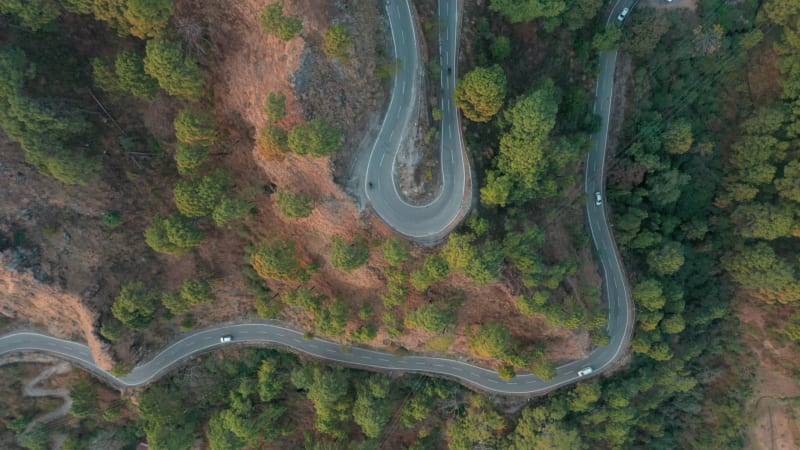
585	371
598	199
623	14
227	338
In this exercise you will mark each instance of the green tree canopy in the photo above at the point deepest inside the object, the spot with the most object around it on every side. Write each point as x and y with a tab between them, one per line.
607	39
314	138
765	275
371	408
763	221
480	94
278	260
177	73
173	235
199	197
196	127
492	340
648	294
273	142
231	210
395	251
430	317
329	391
148	18
33	14
348	256
294	205
112	12
480	427
667	259
275	107
433	269
135	306
527	10
678	137
129	68
197	291
482	265
189	158
46	130
337	41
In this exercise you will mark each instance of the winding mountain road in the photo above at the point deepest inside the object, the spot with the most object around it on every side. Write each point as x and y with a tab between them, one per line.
421	222
432	221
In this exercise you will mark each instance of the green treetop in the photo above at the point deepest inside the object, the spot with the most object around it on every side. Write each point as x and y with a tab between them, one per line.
480	94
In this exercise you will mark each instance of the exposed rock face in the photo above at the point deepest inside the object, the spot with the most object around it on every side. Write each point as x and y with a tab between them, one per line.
28	294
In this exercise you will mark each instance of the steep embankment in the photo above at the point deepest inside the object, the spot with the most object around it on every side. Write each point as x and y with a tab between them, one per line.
58	312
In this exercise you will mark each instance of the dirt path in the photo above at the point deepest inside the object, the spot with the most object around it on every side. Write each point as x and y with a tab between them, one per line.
31	390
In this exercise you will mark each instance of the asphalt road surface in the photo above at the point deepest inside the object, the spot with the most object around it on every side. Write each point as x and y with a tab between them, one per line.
432	221
620	306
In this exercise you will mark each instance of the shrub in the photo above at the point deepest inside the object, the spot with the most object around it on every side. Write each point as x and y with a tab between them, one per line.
112	219
196	127
199	197
434	269
196	291
278	260
176	73
332	320
274	23
294	206
314	138
175	303
364	333
105	77
132	78
135	305
189	158
492	340
348	256
148	18
275	107
337	41
112	330
174	235
430	317
273	142
506	372
396	252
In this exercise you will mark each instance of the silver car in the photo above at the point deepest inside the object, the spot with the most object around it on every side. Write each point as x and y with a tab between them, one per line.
623	14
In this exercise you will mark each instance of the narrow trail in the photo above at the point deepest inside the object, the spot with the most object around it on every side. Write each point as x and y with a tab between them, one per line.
31	390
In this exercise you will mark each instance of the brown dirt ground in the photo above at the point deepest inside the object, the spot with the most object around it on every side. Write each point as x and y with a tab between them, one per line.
775	424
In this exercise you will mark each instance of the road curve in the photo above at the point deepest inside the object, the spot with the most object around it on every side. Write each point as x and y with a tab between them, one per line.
430	222
620	323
